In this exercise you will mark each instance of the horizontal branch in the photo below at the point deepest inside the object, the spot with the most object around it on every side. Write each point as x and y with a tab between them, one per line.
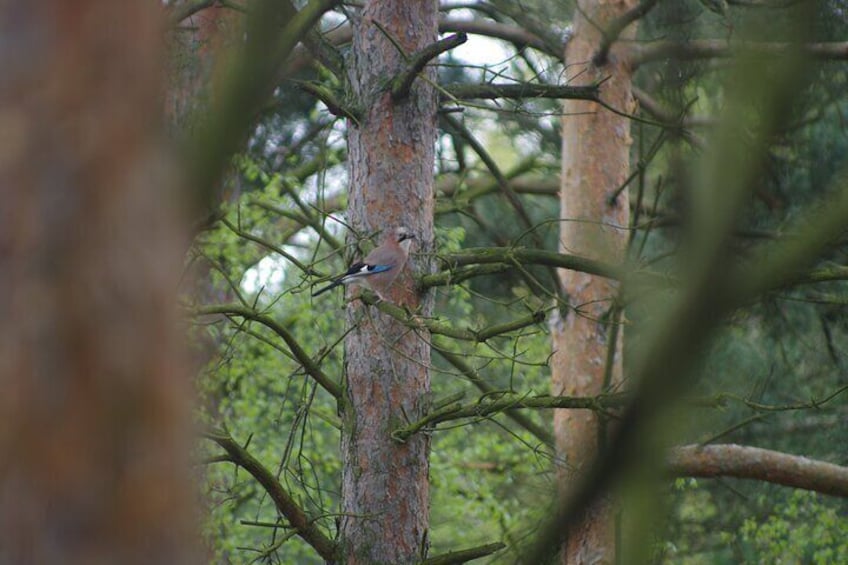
509	33
284	502
459	187
513	255
308	364
456	359
743	462
435	326
464	555
825	274
488	333
456	276
521	91
719	48
511	401
481	261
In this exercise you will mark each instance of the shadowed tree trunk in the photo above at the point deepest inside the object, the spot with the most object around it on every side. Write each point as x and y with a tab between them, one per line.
385	485
93	410
595	164
197	42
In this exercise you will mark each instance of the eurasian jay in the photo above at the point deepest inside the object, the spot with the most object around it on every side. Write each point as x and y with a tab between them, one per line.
381	267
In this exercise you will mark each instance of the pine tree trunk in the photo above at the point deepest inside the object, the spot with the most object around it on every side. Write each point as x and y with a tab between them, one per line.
595	164
385	493
94	409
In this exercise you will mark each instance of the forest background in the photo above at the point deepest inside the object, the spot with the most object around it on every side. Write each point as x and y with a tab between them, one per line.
621	333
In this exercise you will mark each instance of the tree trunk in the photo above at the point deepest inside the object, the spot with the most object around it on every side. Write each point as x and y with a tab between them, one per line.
595	164
195	44
94	414
385	485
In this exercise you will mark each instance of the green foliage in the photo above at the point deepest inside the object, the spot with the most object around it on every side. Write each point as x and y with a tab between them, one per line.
801	527
253	388
805	529
491	479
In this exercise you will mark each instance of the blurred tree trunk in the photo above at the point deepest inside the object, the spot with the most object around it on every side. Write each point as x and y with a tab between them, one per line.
385	492
595	164
196	44
94	438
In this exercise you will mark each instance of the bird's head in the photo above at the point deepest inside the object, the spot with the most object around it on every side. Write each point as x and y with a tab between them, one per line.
404	237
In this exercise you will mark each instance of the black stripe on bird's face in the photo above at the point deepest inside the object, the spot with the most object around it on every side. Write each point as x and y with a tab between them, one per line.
355	268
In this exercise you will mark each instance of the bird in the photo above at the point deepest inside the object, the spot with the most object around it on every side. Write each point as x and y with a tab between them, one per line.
381	267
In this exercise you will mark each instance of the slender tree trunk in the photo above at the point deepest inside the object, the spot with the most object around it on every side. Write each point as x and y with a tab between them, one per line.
595	164
385	485
94	428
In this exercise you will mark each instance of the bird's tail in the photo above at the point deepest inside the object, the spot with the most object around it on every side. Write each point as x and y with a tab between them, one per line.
330	286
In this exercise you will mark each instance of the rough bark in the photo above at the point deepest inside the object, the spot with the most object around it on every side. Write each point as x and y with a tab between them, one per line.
595	163
94	436
385	486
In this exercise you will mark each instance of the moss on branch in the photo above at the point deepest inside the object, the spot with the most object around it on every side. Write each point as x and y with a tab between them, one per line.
520	91
509	401
435	326
464	555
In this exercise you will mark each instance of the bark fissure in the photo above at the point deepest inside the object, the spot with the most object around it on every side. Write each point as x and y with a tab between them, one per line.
391	151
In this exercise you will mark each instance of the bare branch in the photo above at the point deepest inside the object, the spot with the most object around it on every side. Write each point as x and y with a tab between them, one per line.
511	197
652	107
744	462
719	48
516	35
403	82
515	415
513	34
617	26
269	246
285	503
309	365
330	100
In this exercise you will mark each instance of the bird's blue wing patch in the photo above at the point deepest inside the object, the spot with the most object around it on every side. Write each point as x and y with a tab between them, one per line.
374	269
